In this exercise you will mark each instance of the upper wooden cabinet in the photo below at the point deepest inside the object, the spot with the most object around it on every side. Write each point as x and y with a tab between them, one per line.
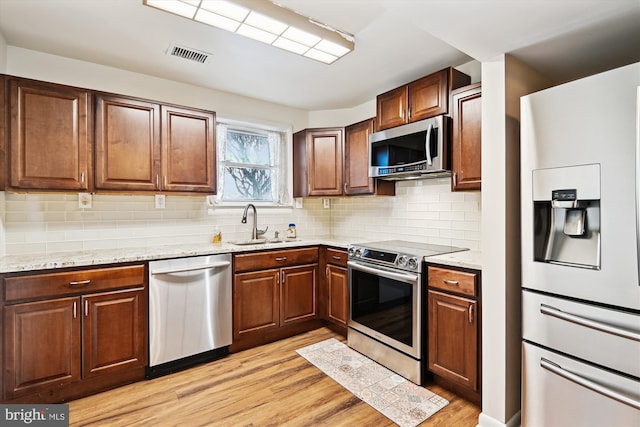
420	99
356	163
466	112
141	145
317	162
50	136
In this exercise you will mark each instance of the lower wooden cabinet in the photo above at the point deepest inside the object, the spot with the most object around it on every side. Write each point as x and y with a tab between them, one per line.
275	295
336	289
69	341
454	329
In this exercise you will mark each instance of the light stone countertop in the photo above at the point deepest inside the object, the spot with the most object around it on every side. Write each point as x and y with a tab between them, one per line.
465	259
21	263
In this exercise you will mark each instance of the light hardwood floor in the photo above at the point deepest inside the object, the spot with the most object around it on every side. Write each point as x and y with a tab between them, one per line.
270	385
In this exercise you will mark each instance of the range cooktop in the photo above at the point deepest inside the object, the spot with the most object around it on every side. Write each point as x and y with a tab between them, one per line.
398	253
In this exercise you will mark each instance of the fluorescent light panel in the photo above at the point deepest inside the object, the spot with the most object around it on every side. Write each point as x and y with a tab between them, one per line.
266	22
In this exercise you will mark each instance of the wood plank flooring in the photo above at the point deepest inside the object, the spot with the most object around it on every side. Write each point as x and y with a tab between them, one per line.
270	385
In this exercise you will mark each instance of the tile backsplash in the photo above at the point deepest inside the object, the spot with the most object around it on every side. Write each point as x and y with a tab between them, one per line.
424	210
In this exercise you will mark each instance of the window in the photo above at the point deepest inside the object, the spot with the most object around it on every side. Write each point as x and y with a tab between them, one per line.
251	164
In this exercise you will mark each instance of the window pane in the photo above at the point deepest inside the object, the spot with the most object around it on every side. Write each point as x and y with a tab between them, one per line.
247	148
247	184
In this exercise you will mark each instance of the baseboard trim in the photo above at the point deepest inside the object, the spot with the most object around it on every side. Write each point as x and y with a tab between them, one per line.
485	420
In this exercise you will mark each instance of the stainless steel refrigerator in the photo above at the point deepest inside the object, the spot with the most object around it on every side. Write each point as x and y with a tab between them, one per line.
580	171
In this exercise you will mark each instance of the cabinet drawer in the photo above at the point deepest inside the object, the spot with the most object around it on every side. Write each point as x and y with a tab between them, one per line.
336	257
275	259
453	281
38	286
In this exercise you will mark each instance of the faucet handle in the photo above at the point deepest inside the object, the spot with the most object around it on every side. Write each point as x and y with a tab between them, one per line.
261	232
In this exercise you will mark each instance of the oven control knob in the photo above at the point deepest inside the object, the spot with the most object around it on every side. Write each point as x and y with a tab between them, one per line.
352	252
402	261
413	263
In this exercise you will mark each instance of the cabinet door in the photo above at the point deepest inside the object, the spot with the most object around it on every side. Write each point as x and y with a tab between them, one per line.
41	346
391	108
428	96
298	294
453	338
466	104
324	160
255	302
188	146
50	137
338	294
114	332
127	144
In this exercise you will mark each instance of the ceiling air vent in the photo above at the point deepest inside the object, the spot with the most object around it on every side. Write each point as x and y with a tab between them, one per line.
188	53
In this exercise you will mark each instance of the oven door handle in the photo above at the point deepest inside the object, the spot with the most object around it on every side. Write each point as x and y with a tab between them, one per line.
403	277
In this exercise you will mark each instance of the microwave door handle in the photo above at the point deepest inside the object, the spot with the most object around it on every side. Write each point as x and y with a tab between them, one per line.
427	144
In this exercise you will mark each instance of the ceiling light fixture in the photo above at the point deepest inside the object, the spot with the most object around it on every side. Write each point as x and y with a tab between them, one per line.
267	22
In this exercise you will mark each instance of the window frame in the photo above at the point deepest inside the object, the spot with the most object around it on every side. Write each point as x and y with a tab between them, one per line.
285	191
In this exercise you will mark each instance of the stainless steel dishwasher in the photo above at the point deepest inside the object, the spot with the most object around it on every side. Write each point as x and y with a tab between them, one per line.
190	315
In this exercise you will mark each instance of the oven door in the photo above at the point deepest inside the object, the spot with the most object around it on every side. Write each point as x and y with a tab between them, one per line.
385	305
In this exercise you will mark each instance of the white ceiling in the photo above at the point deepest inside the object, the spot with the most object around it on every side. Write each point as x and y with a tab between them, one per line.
396	41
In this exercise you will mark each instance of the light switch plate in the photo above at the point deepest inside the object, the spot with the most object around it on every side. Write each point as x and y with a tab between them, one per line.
84	200
326	203
160	201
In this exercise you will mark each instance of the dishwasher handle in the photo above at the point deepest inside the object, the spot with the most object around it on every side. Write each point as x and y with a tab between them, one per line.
211	266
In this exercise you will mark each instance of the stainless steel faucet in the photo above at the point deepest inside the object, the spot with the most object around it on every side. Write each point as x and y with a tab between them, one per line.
254	230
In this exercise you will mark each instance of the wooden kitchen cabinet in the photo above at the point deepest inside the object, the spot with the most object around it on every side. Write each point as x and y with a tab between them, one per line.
73	333
49	136
418	100
317	162
454	329
274	295
144	146
466	112
356	163
337	289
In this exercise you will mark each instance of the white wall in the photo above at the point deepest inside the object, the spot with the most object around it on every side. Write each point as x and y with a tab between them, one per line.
505	80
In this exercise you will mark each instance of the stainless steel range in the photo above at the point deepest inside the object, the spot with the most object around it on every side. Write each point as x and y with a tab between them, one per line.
388	303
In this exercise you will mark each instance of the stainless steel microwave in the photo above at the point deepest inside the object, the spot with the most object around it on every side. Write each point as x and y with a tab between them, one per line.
411	151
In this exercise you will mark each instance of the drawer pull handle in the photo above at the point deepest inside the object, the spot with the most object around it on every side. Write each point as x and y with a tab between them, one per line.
282	258
80	283
337	258
588	383
590	323
451	282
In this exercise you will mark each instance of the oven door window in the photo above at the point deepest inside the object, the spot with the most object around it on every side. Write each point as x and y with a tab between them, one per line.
384	305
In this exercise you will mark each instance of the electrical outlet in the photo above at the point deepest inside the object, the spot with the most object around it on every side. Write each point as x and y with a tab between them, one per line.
160	201
84	200
298	202
326	203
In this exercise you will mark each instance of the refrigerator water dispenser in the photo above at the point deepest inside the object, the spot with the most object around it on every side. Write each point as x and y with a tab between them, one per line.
567	215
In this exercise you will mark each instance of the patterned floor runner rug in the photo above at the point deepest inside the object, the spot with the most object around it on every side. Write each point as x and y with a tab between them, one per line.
397	398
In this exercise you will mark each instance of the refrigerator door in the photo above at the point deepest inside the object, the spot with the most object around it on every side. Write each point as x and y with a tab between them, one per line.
564	392
591	121
599	335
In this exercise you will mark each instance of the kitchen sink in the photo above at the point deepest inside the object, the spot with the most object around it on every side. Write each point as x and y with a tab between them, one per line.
249	242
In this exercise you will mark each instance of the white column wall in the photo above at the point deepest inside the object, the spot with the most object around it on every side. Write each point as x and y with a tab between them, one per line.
505	80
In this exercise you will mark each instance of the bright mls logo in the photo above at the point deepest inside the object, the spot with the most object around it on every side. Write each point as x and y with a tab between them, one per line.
34	415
